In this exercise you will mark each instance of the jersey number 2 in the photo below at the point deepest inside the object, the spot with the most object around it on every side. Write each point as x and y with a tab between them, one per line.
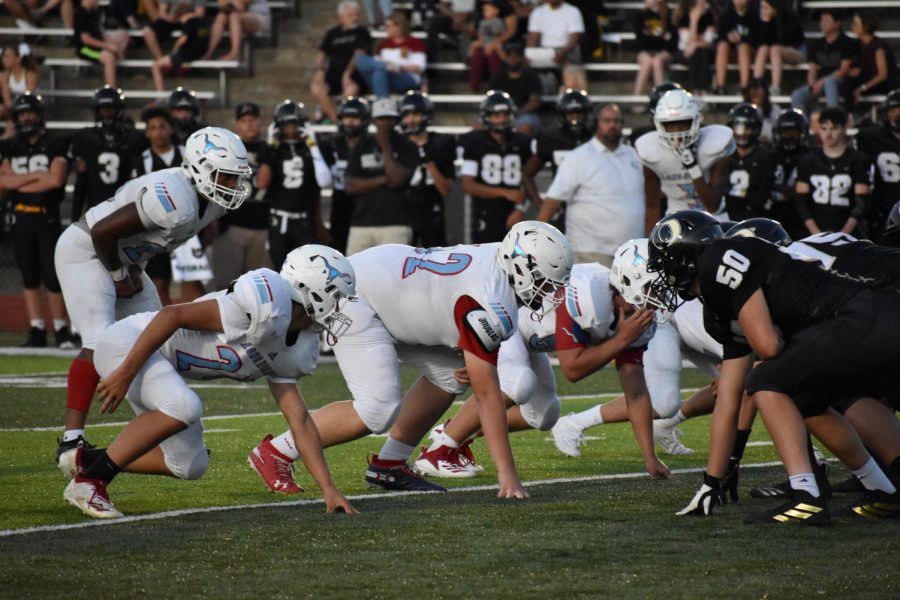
456	264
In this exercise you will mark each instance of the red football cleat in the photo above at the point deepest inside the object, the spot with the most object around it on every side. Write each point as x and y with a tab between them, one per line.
276	469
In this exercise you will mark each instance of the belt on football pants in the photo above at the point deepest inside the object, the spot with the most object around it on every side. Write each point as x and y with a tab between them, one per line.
29	209
286	216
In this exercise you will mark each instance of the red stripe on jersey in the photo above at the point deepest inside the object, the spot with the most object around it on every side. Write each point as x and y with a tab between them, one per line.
567	331
630	356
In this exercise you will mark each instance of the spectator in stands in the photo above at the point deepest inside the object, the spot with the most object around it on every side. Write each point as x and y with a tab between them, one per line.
159	32
557	26
655	40
190	45
696	27
33	174
121	14
875	68
592	12
20	74
487	49
523	86
94	44
830	60
453	18
242	17
400	61
737	30
334	59
378	175
574	77
602	184
780	40
758	94
241	245
28	14
387	9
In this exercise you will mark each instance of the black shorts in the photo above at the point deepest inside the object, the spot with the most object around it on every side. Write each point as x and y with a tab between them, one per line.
850	355
163	30
489	223
287	233
34	240
160	267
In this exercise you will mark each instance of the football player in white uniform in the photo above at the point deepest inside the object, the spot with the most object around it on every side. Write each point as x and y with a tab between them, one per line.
593	327
422	307
263	325
683	161
100	258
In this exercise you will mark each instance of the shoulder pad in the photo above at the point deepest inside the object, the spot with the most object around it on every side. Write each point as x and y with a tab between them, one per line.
716	142
648	148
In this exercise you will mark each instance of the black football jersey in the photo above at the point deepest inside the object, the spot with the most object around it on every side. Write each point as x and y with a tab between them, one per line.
882	148
149	162
784	207
440	148
294	187
108	159
553	144
254	212
832	199
845	255
336	153
798	292
25	157
750	182
497	164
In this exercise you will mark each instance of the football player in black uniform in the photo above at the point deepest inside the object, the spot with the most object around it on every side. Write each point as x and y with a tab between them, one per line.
293	193
433	178
751	169
791	133
799	320
185	109
104	153
882	145
33	174
833	181
493	158
353	116
575	115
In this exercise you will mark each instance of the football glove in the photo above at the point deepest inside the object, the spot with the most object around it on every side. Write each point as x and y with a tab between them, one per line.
689	162
729	483
706	498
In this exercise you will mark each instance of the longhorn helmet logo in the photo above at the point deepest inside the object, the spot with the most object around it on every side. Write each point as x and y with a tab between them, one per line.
210	146
333	273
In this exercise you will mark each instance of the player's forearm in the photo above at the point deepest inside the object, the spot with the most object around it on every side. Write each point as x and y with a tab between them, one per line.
44	182
306	437
549	206
161	328
640	414
356	186
441	184
577	364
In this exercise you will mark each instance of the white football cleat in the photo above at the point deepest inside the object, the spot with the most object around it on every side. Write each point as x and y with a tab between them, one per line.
567	436
70	464
445	462
666	438
90	496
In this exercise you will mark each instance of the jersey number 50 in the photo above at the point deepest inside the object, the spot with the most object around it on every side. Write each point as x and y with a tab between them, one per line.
731	271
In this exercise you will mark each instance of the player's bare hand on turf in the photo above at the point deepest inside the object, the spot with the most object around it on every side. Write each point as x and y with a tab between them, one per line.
113	388
336	503
633	327
657	469
131	285
511	487
461	376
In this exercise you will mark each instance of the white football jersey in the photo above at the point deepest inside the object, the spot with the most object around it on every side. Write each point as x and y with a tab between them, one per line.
688	320
168	207
589	307
414	291
256	314
716	142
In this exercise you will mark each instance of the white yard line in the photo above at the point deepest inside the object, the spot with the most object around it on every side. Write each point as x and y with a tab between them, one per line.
313	501
273	414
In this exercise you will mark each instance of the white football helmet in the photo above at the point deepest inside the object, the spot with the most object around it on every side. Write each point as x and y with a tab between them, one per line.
537	257
678	105
211	155
629	276
321	279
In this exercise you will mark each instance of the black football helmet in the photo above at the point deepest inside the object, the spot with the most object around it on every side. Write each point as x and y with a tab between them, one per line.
184	99
354	107
289	112
416	102
108	96
769	230
575	101
676	242
496	101
659	91
745	121
892	228
892	100
726	225
791	131
28	102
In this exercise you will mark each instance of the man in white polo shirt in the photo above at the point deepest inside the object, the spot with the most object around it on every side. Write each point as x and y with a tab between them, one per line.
602	183
556	26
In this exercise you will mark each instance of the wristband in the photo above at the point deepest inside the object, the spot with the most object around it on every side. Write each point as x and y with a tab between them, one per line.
522	207
120	274
695	172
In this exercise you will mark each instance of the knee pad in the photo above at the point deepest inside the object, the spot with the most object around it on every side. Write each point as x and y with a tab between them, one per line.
519	385
541	416
184	406
377	416
194	468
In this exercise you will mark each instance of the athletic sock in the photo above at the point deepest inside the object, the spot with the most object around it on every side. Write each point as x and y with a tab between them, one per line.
103	469
740	443
395	450
284	443
38	323
873	478
70	435
58	324
89	457
82	383
805	482
442	439
588	418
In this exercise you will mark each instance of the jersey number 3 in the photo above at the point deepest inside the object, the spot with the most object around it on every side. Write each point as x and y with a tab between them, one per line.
456	264
731	271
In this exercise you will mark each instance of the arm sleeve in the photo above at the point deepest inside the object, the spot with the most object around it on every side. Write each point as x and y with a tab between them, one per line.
479	333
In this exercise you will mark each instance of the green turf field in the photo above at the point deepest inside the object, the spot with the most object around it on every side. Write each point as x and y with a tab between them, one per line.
580	537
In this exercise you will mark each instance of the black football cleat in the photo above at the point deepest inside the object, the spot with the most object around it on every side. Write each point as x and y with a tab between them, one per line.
64	447
66	340
851	485
36	338
783	489
877	505
398	477
802	508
